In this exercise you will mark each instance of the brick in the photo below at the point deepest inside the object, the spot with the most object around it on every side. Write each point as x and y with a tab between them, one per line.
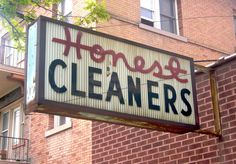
182	149
202	84
162	137
183	160
146	147
135	150
147	157
168	141
196	157
188	154
203	95
224	82
131	146
141	143
152	151
132	156
231	98
225	94
188	141
229	131
200	138
230	73
181	137
164	148
146	136
136	139
137	160
175	145
222	71
170	152
230	157
203	161
230	144
210	154
176	156
163	159
158	155
126	152
195	145
123	158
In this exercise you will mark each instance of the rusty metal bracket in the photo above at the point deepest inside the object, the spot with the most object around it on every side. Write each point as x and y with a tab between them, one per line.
215	103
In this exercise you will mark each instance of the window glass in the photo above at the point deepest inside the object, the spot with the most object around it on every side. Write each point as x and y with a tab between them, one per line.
146	13
168	24
5	121
167	13
167	8
60	120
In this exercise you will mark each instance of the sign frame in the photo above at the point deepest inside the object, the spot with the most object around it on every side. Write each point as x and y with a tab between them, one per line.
39	104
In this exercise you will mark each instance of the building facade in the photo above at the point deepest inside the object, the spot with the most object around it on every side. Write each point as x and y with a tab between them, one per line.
203	30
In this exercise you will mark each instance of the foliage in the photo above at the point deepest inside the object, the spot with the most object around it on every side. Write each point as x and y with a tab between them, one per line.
16	14
97	13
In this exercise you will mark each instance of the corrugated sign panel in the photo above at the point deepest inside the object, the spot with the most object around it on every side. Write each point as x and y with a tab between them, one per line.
104	75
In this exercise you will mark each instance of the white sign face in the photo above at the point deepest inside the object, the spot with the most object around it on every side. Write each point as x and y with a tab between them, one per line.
31	71
90	70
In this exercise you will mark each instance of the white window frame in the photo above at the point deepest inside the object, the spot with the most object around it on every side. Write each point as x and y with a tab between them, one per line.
13	125
57	120
62	9
156	15
17	105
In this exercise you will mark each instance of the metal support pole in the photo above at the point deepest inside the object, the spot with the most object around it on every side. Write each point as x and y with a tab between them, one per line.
215	104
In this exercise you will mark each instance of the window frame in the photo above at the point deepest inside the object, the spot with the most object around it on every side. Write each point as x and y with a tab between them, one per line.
57	123
58	128
61	8
17	109
157	16
17	105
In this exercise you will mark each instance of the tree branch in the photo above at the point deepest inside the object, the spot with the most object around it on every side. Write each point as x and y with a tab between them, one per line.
10	23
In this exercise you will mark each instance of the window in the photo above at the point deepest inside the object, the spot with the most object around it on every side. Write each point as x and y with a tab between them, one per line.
58	124
11	56
65	8
160	14
11	125
60	120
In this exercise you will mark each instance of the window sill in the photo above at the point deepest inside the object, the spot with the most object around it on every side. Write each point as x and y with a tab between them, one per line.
58	129
161	32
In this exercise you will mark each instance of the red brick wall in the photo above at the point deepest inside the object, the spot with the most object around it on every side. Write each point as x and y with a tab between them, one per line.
122	144
72	145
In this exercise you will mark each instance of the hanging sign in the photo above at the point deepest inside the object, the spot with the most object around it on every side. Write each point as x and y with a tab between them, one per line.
80	73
